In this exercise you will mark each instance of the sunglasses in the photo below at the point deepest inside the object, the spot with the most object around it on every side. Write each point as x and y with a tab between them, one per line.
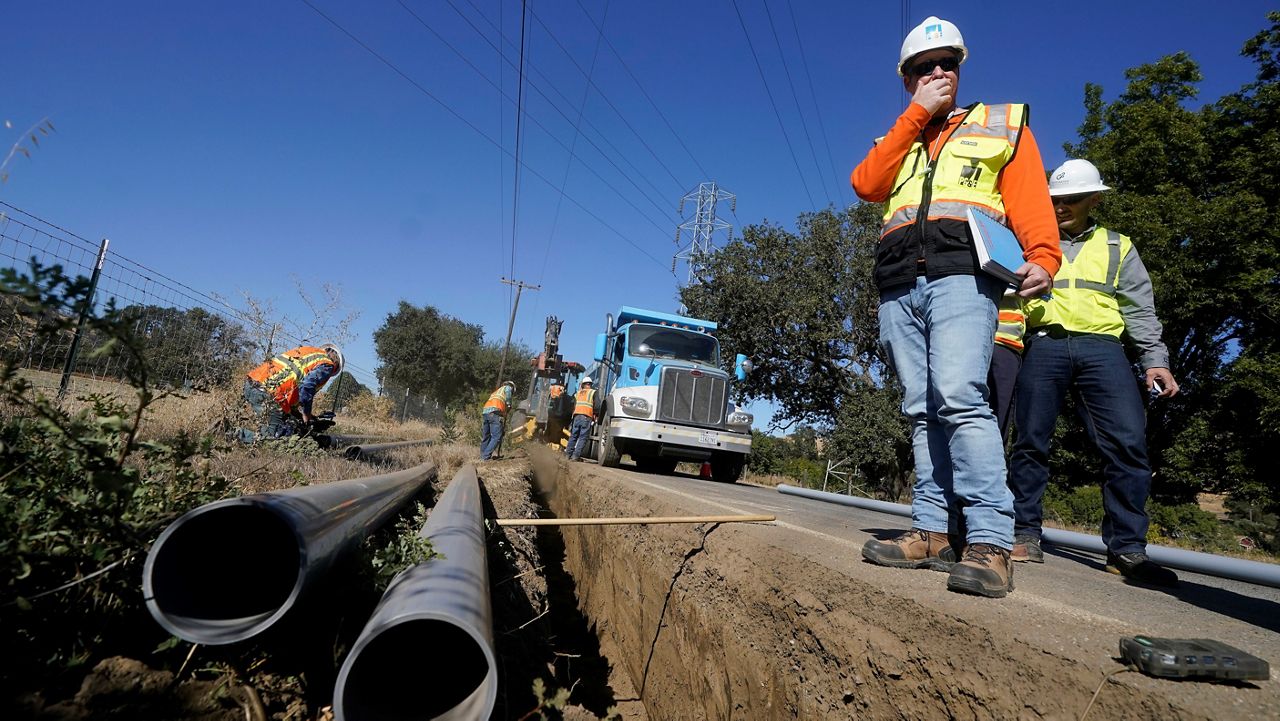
924	67
1070	199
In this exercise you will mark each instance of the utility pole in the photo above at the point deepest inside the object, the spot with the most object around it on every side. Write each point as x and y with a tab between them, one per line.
703	226
520	286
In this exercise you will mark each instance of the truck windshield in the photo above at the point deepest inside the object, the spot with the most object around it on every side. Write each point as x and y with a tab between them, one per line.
674	343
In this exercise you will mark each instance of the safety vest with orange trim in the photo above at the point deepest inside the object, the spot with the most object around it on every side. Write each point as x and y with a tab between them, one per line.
557	390
282	375
585	403
498	401
966	172
1013	322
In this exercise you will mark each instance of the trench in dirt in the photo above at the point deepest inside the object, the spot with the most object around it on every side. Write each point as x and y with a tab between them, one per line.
723	621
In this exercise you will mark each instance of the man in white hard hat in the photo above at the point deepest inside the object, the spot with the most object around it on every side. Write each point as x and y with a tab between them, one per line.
492	416
938	312
1101	299
586	408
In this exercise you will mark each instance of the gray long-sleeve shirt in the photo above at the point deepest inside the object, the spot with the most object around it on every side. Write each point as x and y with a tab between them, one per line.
1142	329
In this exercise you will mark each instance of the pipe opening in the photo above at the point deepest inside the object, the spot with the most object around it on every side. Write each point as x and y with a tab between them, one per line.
221	573
418	669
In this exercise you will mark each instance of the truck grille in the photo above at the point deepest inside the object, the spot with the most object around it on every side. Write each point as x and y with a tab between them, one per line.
699	400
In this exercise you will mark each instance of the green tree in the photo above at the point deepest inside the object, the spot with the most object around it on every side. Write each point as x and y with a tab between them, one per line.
802	305
1196	189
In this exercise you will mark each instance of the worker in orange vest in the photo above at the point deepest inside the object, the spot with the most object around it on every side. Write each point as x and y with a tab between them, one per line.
285	386
586	403
492	417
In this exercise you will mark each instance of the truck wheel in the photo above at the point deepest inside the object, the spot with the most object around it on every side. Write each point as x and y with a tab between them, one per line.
728	468
608	454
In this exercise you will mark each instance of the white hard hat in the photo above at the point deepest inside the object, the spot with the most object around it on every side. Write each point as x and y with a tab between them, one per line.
509	383
931	34
1075	177
331	348
587	382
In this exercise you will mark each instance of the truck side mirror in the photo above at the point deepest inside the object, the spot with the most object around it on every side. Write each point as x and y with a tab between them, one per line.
741	367
602	340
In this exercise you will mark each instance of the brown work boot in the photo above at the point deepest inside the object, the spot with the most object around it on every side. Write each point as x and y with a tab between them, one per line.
1026	549
915	548
985	570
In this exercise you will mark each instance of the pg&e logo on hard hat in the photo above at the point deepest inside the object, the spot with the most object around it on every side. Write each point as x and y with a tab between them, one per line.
1061	174
932	31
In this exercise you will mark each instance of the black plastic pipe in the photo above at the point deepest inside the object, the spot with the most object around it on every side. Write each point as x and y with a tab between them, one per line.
427	651
372	449
231	569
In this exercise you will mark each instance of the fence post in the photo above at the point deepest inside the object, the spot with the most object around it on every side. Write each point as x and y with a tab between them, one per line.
84	316
404	412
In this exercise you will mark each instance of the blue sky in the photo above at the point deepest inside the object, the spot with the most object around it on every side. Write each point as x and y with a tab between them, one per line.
234	144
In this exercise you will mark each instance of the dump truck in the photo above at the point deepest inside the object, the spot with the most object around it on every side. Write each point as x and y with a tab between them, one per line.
667	399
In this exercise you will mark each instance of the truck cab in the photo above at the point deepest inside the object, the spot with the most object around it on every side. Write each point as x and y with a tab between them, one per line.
667	399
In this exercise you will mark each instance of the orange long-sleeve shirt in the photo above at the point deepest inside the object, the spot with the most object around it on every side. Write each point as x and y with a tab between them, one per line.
1022	183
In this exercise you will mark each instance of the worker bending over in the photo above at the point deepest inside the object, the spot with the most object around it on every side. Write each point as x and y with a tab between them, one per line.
492	417
281	390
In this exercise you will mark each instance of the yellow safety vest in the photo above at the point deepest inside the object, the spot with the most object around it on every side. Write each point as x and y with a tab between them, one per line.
1013	322
585	403
1084	290
498	400
967	170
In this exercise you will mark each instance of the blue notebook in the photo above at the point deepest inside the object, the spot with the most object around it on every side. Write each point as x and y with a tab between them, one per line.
999	252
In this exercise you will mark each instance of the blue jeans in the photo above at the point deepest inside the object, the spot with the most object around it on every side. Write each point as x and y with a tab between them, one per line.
937	334
579	430
1098	374
490	434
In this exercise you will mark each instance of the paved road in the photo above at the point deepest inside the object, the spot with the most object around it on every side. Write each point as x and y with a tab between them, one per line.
1067	606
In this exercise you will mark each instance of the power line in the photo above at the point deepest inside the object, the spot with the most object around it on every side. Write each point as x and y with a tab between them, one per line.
462	56
795	97
448	108
645	93
840	181
515	195
599	133
769	92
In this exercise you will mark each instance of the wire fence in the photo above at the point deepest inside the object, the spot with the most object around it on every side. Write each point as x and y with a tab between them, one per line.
191	339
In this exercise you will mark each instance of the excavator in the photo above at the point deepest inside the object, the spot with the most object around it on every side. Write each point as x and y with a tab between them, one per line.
545	413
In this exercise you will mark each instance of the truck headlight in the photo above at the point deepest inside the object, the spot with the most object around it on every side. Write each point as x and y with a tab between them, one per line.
741	418
634	406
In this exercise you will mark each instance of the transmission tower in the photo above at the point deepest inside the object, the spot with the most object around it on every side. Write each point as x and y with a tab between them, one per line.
703	226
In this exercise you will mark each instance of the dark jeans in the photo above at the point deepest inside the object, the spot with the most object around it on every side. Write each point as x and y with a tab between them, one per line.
490	434
271	423
1094	368
1001	377
579	431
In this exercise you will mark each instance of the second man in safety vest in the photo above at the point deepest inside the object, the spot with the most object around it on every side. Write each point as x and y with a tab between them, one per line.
1101	295
938	312
492	417
586	407
285	386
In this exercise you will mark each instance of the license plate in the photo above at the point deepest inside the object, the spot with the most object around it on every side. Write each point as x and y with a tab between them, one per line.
707	437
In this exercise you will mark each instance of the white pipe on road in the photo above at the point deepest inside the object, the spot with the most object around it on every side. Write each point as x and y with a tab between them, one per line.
1263	574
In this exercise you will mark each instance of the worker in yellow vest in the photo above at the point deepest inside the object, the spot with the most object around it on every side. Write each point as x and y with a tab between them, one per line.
1075	342
586	406
286	384
938	311
492	416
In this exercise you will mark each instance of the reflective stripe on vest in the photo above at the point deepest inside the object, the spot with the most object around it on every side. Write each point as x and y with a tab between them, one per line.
498	400
1013	322
965	173
1084	289
585	403
282	375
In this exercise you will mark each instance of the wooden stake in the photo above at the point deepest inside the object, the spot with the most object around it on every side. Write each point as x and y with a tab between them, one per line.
637	520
